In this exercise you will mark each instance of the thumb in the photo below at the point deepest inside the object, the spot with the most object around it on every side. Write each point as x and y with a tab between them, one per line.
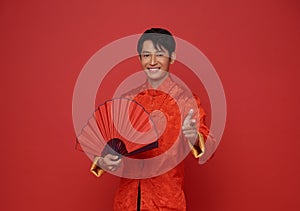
189	117
112	157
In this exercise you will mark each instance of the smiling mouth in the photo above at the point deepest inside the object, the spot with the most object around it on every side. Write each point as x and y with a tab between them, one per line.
153	69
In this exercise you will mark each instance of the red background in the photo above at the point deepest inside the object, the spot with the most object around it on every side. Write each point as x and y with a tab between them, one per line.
254	46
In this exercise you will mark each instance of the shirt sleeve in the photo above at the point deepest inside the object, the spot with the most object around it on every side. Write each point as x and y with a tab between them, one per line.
95	169
199	148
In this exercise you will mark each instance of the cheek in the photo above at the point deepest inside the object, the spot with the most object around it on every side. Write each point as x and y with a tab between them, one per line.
166	65
165	61
143	63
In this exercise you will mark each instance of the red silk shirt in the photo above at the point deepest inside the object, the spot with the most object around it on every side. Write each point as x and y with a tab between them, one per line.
163	192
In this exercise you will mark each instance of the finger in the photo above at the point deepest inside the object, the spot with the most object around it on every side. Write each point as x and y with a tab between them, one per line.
108	161
189	125
188	129
113	162
112	157
189	116
109	168
189	132
192	123
114	168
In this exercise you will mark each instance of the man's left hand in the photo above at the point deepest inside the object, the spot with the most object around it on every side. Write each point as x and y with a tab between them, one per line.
189	129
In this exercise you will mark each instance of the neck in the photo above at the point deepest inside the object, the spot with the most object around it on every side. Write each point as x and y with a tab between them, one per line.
155	83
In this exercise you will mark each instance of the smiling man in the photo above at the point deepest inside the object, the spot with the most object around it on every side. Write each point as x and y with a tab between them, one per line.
155	60
185	121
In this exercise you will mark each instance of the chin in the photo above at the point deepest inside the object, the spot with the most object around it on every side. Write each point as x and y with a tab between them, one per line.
154	77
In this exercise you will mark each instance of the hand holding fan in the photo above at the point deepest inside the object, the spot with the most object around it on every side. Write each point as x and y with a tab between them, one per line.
119	126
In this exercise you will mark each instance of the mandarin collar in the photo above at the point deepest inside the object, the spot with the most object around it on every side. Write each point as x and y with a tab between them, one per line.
164	87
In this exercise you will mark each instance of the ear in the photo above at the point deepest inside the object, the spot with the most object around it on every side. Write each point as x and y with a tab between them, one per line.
173	58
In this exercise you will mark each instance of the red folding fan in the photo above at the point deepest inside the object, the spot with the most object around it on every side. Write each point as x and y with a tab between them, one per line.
119	126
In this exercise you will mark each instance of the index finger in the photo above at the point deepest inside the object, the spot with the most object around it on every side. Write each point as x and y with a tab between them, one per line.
189	116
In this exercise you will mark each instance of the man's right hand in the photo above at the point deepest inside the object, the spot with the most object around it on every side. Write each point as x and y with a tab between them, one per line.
110	162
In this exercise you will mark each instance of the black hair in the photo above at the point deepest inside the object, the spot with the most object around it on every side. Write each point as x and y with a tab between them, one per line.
160	38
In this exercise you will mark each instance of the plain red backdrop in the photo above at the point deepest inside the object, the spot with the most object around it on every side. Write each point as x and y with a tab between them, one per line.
254	46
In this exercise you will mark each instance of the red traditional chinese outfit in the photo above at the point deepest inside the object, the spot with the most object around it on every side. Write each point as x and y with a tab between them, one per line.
163	192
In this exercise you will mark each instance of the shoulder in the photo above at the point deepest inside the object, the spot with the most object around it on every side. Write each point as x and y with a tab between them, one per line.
134	92
182	92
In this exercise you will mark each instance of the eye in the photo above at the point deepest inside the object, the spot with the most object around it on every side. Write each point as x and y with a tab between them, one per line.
160	54
145	55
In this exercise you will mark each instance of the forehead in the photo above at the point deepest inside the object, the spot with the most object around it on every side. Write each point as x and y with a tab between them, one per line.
149	46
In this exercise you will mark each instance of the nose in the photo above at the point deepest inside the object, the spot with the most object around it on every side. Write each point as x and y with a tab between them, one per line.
153	59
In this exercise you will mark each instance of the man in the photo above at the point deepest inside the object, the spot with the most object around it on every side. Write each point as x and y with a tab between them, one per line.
156	49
